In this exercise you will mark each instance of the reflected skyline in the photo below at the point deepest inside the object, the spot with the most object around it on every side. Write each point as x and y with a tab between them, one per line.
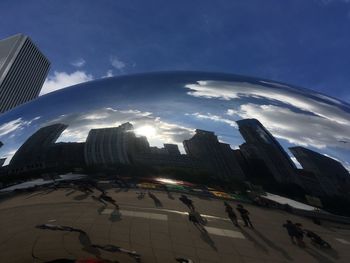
120	149
294	116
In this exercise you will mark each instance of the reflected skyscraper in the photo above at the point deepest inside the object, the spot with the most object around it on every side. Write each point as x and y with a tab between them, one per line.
32	154
260	144
220	158
23	69
331	174
109	146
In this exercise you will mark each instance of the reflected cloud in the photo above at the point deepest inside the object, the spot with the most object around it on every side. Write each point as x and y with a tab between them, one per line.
297	128
215	118
293	98
15	125
289	114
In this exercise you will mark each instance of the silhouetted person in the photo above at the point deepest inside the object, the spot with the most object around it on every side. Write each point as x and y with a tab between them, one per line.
292	230
316	239
192	216
231	214
299	235
184	199
244	215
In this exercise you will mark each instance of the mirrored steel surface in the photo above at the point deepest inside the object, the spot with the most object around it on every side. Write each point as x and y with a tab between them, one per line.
168	107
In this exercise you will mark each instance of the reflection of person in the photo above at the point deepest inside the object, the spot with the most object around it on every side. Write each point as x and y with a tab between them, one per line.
200	219
184	199
291	229
192	216
299	235
316	239
231	214
105	197
244	215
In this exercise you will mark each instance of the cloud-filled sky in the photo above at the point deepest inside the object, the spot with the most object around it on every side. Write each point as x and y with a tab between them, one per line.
299	42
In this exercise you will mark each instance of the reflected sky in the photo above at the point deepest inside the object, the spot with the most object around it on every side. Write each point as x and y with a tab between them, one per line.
168	107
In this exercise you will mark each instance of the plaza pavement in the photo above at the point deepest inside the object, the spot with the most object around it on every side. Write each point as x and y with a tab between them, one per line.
158	230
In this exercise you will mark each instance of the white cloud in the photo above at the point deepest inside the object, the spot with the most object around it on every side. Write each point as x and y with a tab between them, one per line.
78	63
15	125
109	74
117	63
216	118
297	128
61	80
235	90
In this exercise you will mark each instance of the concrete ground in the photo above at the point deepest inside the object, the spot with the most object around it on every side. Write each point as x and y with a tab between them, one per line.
158	229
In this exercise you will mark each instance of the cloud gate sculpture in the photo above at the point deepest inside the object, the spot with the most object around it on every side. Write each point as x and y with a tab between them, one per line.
176	167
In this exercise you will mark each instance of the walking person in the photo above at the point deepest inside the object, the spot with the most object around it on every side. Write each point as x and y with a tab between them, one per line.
244	215
292	230
231	214
184	199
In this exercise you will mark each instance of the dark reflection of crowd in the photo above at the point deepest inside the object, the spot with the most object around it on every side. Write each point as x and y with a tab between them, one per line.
295	231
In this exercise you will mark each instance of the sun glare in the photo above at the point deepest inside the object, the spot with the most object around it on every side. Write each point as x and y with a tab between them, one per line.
146	130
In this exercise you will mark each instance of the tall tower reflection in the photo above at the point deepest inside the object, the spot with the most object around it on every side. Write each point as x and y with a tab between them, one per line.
260	144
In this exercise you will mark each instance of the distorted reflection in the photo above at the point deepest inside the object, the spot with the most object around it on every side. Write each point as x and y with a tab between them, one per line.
189	106
152	160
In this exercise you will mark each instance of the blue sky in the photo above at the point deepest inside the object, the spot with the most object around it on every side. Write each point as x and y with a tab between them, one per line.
300	42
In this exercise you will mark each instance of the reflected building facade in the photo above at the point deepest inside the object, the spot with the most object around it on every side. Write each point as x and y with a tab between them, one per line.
23	69
109	146
32	154
261	145
331	175
41	153
218	157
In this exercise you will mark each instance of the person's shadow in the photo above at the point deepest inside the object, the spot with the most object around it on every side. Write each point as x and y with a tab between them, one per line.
252	239
70	193
81	197
207	239
329	251
318	256
273	245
